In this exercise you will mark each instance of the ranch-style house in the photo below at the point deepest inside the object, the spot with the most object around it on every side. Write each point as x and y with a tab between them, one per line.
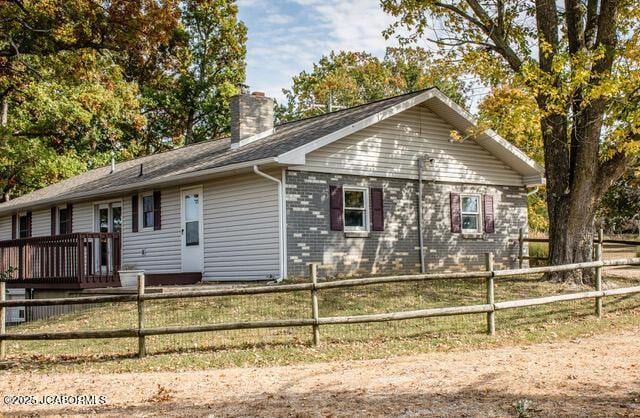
374	189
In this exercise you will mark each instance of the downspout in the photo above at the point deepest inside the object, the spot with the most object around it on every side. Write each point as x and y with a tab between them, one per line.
420	234
280	216
534	191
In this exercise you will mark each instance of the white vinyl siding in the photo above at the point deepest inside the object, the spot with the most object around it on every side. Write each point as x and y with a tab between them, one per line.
83	217
390	149
154	251
241	230
5	228
41	223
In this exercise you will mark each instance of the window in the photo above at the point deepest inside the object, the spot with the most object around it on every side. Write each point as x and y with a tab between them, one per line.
23	226
191	219
147	211
470	213
116	219
63	221
355	209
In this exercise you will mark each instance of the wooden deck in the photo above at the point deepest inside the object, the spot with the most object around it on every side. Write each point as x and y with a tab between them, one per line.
82	260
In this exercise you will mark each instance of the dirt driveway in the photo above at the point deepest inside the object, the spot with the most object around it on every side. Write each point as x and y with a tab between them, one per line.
595	376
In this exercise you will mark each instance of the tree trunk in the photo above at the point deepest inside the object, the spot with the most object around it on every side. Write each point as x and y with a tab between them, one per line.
188	136
571	232
572	197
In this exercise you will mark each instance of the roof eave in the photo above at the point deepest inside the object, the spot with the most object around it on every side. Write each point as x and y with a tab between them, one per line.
158	182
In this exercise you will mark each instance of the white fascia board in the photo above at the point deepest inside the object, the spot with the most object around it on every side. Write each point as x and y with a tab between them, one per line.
492	136
296	156
532	181
166	181
517	152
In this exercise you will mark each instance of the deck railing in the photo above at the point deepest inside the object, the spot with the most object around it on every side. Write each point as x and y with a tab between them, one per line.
73	261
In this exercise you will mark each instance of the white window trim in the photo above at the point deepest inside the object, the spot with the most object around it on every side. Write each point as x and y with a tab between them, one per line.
141	212
478	213
110	204
366	208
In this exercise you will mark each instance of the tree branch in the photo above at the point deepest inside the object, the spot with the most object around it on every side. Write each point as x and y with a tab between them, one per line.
591	23
575	28
547	22
611	170
497	35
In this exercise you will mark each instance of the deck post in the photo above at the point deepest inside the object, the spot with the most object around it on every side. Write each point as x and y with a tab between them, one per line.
599	273
313	272
3	320
491	318
141	341
520	247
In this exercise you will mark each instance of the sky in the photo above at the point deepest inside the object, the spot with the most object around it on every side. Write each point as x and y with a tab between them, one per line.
288	36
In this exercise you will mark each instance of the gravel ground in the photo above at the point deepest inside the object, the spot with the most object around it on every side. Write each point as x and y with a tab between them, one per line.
592	376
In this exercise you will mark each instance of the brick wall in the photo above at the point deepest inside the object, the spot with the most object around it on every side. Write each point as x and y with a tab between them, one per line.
395	250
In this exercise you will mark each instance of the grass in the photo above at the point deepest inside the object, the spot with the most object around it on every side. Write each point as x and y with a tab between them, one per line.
284	346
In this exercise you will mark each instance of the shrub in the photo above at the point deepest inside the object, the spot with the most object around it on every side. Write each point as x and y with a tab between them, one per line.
538	249
523	406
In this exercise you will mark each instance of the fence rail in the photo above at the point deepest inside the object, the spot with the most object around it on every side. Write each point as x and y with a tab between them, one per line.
598	239
315	321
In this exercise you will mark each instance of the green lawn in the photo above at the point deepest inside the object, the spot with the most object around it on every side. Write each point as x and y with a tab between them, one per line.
293	345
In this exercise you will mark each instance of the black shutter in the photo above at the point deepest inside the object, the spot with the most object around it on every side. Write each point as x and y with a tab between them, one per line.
454	204
54	213
29	223
377	209
69	218
336	209
489	219
157	211
14	226
134	213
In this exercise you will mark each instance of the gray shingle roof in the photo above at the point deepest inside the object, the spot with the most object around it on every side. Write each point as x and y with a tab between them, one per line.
199	157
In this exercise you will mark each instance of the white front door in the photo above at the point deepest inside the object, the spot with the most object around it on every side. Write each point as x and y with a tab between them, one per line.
192	230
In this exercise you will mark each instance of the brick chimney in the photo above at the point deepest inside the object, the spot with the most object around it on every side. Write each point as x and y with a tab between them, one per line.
251	114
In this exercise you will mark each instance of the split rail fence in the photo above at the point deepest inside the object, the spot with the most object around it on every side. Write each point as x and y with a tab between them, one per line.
597	240
316	321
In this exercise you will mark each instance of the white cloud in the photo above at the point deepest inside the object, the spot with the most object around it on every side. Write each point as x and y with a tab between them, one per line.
287	37
278	19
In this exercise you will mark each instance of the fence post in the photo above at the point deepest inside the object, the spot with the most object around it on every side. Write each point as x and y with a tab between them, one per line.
599	273
313	272
141	341
521	247
491	318
3	320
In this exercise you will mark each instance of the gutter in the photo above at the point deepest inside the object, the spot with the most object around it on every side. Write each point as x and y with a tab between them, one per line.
281	215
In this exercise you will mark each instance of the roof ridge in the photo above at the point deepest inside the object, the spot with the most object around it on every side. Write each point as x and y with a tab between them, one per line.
185	146
355	107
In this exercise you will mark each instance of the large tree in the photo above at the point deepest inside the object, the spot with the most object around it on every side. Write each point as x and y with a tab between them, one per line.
75	116
189	101
83	81
65	103
580	61
345	79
